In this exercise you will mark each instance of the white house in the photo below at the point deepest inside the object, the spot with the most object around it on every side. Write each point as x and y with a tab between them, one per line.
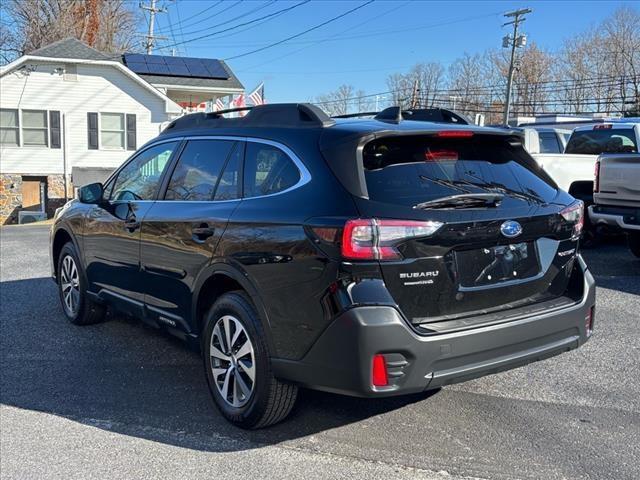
68	108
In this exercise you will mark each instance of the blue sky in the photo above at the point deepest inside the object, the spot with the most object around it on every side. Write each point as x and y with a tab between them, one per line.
381	38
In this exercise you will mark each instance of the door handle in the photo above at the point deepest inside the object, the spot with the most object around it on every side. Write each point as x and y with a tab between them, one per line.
202	232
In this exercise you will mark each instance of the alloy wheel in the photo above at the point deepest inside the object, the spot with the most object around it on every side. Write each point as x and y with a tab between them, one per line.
70	285
232	361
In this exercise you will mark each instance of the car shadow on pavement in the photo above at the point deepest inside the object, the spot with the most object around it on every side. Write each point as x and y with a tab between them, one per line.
613	265
125	377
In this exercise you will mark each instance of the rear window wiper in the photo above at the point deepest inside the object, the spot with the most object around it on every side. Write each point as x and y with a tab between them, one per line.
465	200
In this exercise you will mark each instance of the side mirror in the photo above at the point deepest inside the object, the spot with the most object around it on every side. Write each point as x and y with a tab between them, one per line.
91	193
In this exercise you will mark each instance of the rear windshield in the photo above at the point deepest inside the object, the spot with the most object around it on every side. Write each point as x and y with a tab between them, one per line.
411	170
595	142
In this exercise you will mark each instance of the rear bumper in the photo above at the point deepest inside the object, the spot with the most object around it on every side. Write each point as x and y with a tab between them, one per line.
626	218
341	360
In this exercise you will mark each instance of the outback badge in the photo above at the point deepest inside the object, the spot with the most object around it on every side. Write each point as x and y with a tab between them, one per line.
511	229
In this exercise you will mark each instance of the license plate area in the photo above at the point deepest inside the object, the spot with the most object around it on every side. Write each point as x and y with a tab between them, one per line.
497	264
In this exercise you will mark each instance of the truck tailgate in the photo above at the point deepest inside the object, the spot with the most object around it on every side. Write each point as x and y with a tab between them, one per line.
619	180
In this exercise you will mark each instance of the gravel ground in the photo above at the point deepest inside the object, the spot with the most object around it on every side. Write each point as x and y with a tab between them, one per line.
120	400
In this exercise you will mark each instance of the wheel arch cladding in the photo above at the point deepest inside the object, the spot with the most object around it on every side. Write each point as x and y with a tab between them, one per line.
60	239
217	281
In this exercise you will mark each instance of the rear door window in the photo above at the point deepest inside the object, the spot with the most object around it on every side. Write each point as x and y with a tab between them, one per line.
267	170
415	169
602	140
198	169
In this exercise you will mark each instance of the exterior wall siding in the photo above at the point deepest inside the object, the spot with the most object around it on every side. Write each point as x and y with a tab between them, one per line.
97	89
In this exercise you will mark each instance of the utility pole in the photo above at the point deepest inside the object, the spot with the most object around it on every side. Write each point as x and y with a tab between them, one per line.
151	38
513	42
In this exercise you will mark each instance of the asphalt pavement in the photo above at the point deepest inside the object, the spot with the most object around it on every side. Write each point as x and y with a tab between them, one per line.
121	400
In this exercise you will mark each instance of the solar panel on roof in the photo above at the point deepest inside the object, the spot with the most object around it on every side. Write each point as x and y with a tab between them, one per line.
215	69
175	66
138	67
157	69
179	70
197	70
134	57
174	60
157	59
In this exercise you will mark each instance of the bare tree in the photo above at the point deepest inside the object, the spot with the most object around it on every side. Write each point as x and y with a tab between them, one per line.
621	32
338	101
400	88
467	88
107	25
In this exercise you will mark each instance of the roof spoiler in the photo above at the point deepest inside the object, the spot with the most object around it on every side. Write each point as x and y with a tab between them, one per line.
278	115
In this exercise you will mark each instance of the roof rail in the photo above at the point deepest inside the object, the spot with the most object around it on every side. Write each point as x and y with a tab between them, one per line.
395	115
277	115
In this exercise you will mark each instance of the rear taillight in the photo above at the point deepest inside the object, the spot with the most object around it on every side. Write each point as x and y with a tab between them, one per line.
373	239
574	213
596	182
379	371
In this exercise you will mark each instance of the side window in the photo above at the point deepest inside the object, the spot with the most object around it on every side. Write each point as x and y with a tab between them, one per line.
549	143
229	184
140	178
196	174
267	170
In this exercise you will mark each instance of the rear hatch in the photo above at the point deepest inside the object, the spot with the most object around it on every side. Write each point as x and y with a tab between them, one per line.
504	238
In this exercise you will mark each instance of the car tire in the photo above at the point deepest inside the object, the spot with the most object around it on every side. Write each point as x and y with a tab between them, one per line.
634	243
238	366
72	289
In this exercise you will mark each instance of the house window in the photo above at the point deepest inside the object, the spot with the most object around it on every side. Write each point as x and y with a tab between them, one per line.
35	129
9	127
112	131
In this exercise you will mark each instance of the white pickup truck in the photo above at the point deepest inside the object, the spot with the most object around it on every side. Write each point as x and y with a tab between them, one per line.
617	196
573	170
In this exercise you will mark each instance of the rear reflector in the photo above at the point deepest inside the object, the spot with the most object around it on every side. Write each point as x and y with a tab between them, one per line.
589	319
379	372
373	239
455	134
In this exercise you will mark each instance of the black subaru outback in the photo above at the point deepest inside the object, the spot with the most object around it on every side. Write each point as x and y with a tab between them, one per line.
368	257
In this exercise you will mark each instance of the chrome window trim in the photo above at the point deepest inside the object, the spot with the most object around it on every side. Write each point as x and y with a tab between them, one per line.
305	176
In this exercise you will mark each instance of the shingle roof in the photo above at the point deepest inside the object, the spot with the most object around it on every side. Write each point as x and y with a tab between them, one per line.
72	48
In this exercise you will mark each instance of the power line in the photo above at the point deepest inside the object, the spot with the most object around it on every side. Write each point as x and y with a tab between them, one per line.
233	5
284	40
257	9
287	9
386	12
206	9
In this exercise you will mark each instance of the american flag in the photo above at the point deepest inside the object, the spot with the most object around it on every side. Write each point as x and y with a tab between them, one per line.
219	105
257	96
239	102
